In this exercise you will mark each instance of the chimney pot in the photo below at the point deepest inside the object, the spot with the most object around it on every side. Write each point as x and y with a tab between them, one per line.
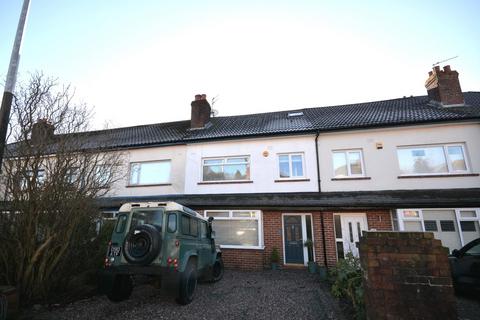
443	86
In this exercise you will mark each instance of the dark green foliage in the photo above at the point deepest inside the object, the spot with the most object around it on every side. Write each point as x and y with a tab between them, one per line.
274	256
346	279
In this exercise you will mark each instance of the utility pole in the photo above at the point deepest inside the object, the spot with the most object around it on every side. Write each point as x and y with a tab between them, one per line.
11	79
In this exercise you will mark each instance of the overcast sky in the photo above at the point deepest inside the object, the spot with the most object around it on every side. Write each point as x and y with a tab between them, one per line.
140	62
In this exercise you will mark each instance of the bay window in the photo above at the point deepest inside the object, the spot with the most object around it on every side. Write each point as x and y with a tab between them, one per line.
237	228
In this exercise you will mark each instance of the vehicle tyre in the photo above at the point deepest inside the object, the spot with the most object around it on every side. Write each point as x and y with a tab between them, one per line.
217	270
142	245
121	289
188	284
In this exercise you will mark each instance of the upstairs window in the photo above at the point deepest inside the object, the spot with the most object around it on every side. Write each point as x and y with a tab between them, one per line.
29	176
348	163
437	159
103	174
226	169
72	175
291	165
150	173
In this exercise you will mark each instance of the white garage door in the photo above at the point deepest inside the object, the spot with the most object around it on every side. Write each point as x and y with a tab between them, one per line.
443	224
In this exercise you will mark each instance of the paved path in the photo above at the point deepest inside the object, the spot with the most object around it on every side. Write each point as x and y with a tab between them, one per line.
239	295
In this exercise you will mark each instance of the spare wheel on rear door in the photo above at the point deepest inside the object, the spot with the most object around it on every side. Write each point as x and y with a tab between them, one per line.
142	245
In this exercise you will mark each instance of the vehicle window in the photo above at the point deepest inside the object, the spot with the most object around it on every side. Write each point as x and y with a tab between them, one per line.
121	223
189	226
194	227
473	251
153	217
172	222
185	225
203	230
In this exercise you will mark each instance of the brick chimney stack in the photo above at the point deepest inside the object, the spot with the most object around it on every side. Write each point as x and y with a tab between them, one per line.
42	131
201	112
443	86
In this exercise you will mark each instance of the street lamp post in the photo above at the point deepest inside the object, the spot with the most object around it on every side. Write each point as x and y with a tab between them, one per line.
11	79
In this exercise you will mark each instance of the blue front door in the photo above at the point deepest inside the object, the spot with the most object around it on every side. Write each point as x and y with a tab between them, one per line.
293	239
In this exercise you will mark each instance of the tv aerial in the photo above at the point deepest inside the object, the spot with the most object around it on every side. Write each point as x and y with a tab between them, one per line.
437	63
214	112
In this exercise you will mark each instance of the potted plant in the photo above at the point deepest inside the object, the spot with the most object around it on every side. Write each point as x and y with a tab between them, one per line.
312	266
275	259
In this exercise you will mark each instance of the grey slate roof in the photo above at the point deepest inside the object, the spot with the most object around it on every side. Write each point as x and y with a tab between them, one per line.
402	111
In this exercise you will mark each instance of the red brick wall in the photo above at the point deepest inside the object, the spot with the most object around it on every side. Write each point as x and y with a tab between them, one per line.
380	220
272	234
243	259
329	239
318	237
253	259
407	276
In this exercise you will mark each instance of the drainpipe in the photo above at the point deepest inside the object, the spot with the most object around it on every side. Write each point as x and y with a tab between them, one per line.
318	161
320	190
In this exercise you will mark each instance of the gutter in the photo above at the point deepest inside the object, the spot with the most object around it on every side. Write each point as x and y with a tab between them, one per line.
324	243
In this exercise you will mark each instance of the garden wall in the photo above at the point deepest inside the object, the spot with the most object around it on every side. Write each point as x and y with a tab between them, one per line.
407	276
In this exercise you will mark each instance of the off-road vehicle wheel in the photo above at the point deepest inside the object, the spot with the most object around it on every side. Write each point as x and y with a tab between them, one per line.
188	284
142	245
121	289
217	270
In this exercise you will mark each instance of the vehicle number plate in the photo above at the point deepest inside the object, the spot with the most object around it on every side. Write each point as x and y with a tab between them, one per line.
115	251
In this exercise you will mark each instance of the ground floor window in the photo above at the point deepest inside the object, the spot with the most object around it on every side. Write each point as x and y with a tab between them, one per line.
237	228
454	227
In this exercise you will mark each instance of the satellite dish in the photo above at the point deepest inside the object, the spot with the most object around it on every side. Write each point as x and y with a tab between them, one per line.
214	112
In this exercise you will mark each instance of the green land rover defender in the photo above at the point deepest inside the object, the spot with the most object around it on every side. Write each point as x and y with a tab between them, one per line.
166	241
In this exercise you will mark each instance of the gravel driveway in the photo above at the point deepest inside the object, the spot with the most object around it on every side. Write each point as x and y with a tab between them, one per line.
239	295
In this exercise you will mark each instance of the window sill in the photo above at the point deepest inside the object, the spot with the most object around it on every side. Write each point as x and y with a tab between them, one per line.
148	185
439	175
225	182
242	247
292	180
351	178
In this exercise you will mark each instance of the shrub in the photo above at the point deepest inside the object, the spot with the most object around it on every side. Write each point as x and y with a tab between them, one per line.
275	256
346	279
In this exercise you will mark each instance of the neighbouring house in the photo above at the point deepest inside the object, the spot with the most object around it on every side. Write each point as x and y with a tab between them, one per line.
274	180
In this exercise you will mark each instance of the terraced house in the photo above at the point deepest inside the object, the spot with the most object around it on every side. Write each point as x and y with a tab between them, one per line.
274	180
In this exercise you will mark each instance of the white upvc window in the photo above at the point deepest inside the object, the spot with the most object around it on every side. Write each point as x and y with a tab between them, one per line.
103	173
291	165
72	175
348	163
240	229
150	173
432	159
40	178
454	226
235	168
